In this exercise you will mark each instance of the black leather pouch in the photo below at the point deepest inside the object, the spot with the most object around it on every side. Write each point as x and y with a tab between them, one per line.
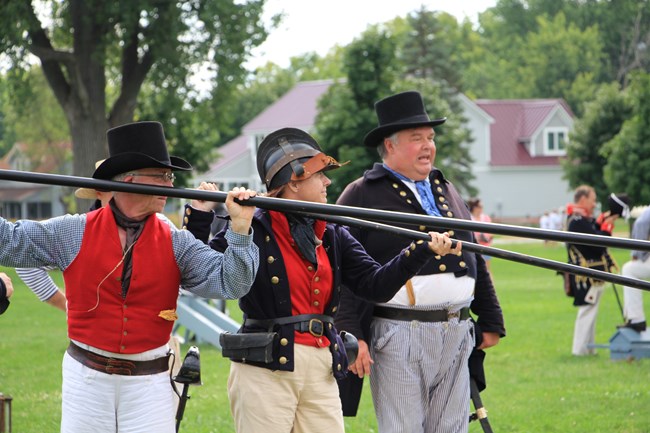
255	346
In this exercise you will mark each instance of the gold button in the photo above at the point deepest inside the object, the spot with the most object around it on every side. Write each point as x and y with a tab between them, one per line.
422	228
329	325
462	264
439	189
407	253
284	342
445	207
186	220
442	268
310	268
123	347
283	360
338	367
450	214
336	347
267	239
317	279
316	303
451	232
412	246
188	210
125	332
270	259
438	256
316	292
395	186
420	242
125	319
402	193
334	309
441	199
124	306
408	200
459	253
436	181
275	280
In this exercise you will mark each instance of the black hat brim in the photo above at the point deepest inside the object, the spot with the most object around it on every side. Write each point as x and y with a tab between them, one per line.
125	162
375	137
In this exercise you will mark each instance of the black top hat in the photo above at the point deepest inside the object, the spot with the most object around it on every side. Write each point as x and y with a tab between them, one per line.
290	154
137	145
397	112
619	204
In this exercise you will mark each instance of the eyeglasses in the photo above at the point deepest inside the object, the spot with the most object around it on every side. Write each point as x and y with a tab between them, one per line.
167	177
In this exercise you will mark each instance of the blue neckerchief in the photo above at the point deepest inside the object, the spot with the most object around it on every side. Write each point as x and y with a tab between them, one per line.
423	188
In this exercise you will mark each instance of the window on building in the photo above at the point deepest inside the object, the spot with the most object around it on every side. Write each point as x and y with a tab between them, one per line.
39	210
555	141
10	210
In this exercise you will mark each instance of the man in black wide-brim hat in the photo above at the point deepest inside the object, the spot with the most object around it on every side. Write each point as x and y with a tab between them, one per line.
122	268
421	339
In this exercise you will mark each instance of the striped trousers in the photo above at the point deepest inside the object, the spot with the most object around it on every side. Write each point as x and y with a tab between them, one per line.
420	378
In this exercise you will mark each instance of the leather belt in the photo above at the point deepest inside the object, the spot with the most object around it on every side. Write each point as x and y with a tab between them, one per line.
312	323
123	367
420	315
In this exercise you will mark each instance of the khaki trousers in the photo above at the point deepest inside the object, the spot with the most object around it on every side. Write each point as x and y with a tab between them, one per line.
305	400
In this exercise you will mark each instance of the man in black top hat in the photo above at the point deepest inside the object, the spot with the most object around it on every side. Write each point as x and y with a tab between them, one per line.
122	267
420	340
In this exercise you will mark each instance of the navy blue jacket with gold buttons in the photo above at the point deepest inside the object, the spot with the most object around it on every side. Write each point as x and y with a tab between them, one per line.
270	297
380	189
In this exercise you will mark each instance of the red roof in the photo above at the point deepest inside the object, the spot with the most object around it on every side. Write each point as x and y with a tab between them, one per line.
297	108
515	123
230	151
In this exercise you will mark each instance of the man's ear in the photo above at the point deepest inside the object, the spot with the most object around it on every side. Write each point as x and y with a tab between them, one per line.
389	145
293	186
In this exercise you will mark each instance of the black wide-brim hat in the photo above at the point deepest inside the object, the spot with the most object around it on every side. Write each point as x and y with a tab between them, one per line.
397	112
137	145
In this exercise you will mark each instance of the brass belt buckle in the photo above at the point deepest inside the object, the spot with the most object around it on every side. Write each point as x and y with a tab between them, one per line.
316	327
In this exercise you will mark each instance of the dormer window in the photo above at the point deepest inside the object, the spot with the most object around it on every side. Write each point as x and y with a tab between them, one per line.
555	141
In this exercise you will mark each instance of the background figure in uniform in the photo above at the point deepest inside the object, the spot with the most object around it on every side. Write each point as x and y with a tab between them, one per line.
296	294
586	292
637	267
415	347
122	267
476	209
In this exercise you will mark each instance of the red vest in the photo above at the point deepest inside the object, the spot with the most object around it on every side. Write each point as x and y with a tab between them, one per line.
97	313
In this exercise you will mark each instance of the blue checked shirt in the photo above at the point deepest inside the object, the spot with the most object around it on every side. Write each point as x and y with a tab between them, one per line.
204	272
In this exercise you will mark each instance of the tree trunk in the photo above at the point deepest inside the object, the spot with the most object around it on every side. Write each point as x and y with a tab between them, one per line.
88	146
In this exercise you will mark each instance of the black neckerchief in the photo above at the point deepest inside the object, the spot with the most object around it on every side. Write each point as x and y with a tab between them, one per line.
302	231
133	230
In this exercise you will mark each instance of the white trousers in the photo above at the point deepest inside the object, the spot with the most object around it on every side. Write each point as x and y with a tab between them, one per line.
96	402
584	333
633	298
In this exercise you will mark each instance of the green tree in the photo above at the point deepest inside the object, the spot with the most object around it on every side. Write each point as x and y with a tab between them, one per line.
627	155
431	48
346	111
557	55
602	120
97	55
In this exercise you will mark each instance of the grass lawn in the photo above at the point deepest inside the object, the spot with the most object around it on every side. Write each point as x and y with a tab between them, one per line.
534	384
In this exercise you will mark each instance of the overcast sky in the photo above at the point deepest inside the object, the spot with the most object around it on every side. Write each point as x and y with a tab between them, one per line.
318	25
